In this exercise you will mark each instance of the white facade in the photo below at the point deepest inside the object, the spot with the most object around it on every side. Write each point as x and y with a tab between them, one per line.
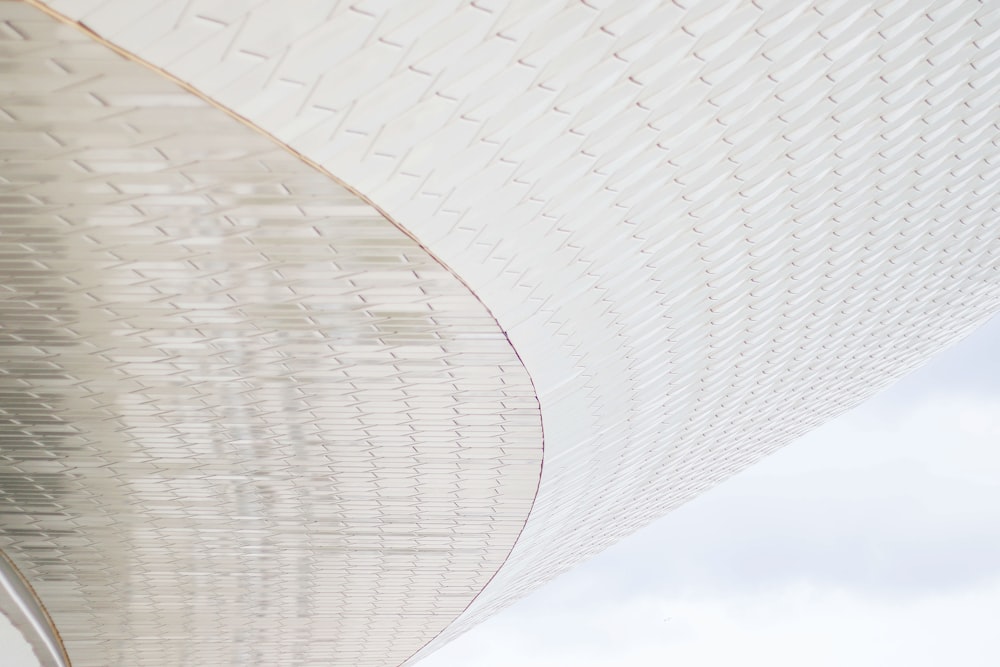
704	227
247	420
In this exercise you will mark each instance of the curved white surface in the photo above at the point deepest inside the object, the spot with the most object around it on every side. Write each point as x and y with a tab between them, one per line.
27	635
705	226
244	419
17	650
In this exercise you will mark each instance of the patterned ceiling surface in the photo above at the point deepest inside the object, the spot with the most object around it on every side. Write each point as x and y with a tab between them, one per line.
244	419
706	226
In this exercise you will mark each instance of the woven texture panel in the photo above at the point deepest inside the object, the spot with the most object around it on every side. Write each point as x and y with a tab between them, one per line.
244	419
706	226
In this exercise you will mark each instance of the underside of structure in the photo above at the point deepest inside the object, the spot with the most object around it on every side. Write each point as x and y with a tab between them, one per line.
287	292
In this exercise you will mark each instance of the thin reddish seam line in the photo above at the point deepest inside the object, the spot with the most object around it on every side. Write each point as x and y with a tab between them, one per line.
38	601
256	128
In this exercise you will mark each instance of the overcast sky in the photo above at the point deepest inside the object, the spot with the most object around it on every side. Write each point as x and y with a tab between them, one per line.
873	541
14	649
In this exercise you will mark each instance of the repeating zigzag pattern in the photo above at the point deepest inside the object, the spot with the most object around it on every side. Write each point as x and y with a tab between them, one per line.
244	420
706	226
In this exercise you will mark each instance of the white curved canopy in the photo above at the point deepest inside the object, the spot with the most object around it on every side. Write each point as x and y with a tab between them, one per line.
706	227
246	419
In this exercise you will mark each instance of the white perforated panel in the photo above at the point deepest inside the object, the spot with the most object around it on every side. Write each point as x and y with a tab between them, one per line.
244	419
707	226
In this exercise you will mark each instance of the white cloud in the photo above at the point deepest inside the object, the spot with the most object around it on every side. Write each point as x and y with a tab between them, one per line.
789	626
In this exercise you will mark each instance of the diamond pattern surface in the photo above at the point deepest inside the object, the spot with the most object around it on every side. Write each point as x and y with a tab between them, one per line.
244	419
707	226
